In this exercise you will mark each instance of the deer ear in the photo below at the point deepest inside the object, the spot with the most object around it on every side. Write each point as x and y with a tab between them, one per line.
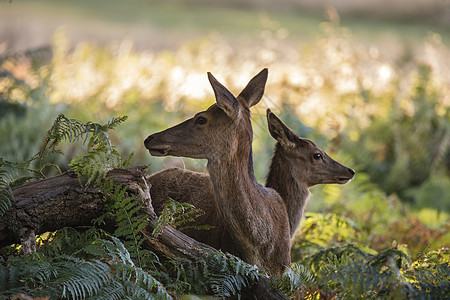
254	90
224	98
279	131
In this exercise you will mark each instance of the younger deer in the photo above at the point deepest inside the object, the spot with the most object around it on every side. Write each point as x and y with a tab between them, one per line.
297	164
254	218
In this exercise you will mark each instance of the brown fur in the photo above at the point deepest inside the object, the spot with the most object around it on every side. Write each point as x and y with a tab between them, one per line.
254	218
292	171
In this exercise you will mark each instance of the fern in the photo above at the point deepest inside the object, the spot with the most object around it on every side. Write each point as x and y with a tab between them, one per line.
95	164
100	136
101	155
221	274
125	210
6	194
178	215
83	278
98	269
72	130
347	272
228	274
344	252
430	274
63	128
129	280
295	279
63	276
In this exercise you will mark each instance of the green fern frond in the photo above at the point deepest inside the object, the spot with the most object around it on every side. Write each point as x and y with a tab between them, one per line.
390	256
101	155
358	279
64	129
72	130
429	274
229	274
341	254
294	279
6	194
125	210
62	276
135	282
103	269
95	164
139	284
113	291
100	136
100	151
223	275
178	215
82	279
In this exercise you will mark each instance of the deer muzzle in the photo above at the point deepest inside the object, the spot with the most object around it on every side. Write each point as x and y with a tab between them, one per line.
347	177
154	148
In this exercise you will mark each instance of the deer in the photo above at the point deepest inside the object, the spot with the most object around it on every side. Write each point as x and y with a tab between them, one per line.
254	218
297	164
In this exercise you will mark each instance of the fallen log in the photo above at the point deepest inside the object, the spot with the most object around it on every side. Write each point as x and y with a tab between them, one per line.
61	201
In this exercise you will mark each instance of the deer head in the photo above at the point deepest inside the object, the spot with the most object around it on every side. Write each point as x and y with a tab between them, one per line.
224	125
309	164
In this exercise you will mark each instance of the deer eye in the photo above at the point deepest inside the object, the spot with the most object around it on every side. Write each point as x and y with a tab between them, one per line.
200	121
317	156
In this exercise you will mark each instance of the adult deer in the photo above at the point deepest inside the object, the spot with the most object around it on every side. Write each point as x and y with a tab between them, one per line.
297	165
254	218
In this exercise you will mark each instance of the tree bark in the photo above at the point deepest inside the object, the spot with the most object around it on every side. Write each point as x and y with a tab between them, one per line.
53	203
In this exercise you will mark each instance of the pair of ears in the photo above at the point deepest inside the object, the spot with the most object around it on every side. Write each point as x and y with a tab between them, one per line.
250	96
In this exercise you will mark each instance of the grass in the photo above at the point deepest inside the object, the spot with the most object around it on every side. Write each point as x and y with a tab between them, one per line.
178	20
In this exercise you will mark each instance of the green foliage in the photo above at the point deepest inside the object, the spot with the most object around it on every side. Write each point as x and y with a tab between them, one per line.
433	193
6	194
387	116
296	279
409	144
101	268
125	210
346	272
221	274
429	274
101	155
178	215
27	111
64	128
227	274
320	232
63	276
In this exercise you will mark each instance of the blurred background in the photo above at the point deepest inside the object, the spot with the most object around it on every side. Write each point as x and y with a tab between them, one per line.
368	81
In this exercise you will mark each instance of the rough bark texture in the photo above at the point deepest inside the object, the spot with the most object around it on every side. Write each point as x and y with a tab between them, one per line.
57	202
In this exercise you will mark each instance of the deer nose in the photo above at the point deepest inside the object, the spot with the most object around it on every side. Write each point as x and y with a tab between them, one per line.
351	171
148	139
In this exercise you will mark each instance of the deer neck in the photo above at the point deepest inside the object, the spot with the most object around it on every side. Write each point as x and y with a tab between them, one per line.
293	191
233	179
240	201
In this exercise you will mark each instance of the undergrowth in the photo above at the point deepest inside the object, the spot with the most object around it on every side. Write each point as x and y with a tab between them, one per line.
333	256
89	263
